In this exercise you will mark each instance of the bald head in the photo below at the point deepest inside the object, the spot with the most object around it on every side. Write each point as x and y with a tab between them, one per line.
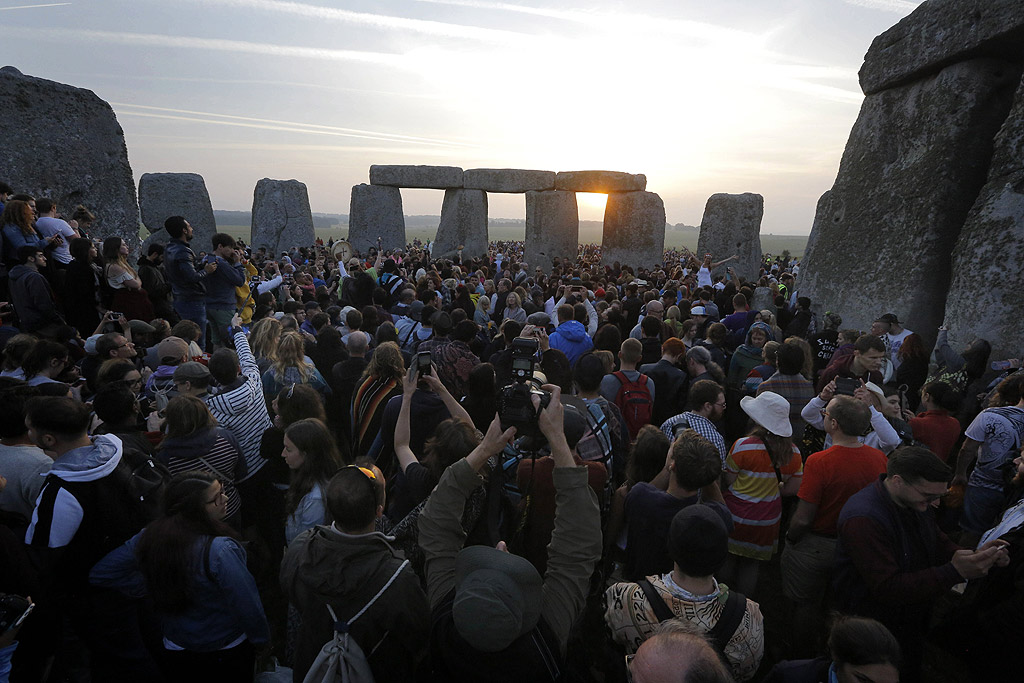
678	657
656	309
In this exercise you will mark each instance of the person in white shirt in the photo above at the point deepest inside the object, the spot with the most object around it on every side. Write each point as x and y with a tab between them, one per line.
892	333
49	225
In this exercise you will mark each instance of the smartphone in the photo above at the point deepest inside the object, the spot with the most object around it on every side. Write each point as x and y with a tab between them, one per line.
14	609
423	363
846	386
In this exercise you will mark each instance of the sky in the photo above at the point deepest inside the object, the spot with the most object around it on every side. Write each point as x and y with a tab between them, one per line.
702	97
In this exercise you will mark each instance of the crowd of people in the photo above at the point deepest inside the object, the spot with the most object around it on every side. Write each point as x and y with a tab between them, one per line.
214	458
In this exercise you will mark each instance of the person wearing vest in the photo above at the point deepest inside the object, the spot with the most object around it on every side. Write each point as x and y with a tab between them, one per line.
698	541
892	562
493	616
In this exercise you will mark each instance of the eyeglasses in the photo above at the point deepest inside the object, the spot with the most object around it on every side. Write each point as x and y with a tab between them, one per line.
929	497
720	404
368	472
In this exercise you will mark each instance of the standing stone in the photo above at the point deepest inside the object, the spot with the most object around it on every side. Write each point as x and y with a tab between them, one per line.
939	33
915	161
463	222
162	195
507	180
552	228
281	218
432	177
600	181
65	143
988	262
376	211
634	229
732	226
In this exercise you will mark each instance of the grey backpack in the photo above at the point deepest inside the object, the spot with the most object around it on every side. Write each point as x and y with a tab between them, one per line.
341	659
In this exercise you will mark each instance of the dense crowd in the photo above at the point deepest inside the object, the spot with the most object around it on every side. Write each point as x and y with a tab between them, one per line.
220	463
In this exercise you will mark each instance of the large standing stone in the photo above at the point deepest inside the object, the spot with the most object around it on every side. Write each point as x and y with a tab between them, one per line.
552	228
939	33
281	218
600	181
463	223
64	143
433	177
988	262
507	180
162	195
732	226
915	161
376	211
634	229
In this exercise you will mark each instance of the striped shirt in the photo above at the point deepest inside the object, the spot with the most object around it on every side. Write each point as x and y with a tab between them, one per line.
221	458
243	410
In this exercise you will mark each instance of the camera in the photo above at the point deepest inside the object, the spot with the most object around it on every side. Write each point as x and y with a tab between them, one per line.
515	401
846	386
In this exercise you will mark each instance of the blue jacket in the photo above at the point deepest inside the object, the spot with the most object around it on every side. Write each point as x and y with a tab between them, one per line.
571	339
225	604
14	239
187	282
221	283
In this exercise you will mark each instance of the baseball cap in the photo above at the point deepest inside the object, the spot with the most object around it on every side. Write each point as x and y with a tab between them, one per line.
172	348
191	372
888	318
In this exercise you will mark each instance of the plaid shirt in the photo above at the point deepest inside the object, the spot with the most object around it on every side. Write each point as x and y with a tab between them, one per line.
794	388
699	424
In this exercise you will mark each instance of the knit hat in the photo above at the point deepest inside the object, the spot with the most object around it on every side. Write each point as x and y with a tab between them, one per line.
497	597
172	349
699	535
769	410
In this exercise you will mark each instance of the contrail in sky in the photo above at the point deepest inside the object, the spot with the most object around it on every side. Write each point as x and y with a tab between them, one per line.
51	4
898	6
381	21
271	124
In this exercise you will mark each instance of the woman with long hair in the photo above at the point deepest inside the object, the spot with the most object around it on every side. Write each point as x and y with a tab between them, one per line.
263	340
129	298
481	314
913	369
381	381
291	366
192	564
80	293
514	309
312	457
193	441
672	319
760	469
18	221
464	301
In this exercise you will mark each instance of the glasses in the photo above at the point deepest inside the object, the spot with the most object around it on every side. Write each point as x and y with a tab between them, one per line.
720	404
929	497
121	346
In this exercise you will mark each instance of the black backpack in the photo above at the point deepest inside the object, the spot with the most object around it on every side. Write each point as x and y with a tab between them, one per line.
137	486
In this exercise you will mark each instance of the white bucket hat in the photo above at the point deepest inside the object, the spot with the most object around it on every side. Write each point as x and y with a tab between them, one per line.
769	410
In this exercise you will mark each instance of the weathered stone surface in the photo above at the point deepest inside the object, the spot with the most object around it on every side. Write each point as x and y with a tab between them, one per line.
507	179
940	33
913	166
281	218
552	228
162	195
634	229
600	181
376	211
463	222
65	143
988	262
732	226
435	177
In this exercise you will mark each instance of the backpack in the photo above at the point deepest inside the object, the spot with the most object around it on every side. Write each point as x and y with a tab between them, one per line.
596	444
341	659
137	486
722	632
635	401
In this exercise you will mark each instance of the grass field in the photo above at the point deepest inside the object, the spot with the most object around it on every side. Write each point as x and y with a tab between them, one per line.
772	244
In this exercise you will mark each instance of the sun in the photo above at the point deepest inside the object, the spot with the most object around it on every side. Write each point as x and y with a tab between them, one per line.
591	205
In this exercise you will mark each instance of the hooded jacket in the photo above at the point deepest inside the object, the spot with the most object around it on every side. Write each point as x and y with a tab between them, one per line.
33	298
73	514
571	339
747	356
325	566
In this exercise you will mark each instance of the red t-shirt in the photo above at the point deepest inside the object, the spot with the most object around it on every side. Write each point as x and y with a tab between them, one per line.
938	430
832	476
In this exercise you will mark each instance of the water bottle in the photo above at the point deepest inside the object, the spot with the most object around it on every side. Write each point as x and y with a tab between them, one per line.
1003	365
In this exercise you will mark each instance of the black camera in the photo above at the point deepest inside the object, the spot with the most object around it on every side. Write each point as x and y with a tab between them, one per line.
515	401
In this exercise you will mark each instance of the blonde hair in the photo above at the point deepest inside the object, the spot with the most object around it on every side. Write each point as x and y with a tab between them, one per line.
514	297
266	333
291	353
386	362
483	303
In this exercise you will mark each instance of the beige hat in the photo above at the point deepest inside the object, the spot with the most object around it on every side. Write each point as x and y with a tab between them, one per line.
172	349
876	390
769	410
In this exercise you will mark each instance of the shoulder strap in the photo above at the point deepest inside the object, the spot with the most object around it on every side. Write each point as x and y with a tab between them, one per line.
657	603
214	470
729	621
409	333
344	626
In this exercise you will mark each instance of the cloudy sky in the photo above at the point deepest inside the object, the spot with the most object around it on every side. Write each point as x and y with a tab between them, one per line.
703	97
